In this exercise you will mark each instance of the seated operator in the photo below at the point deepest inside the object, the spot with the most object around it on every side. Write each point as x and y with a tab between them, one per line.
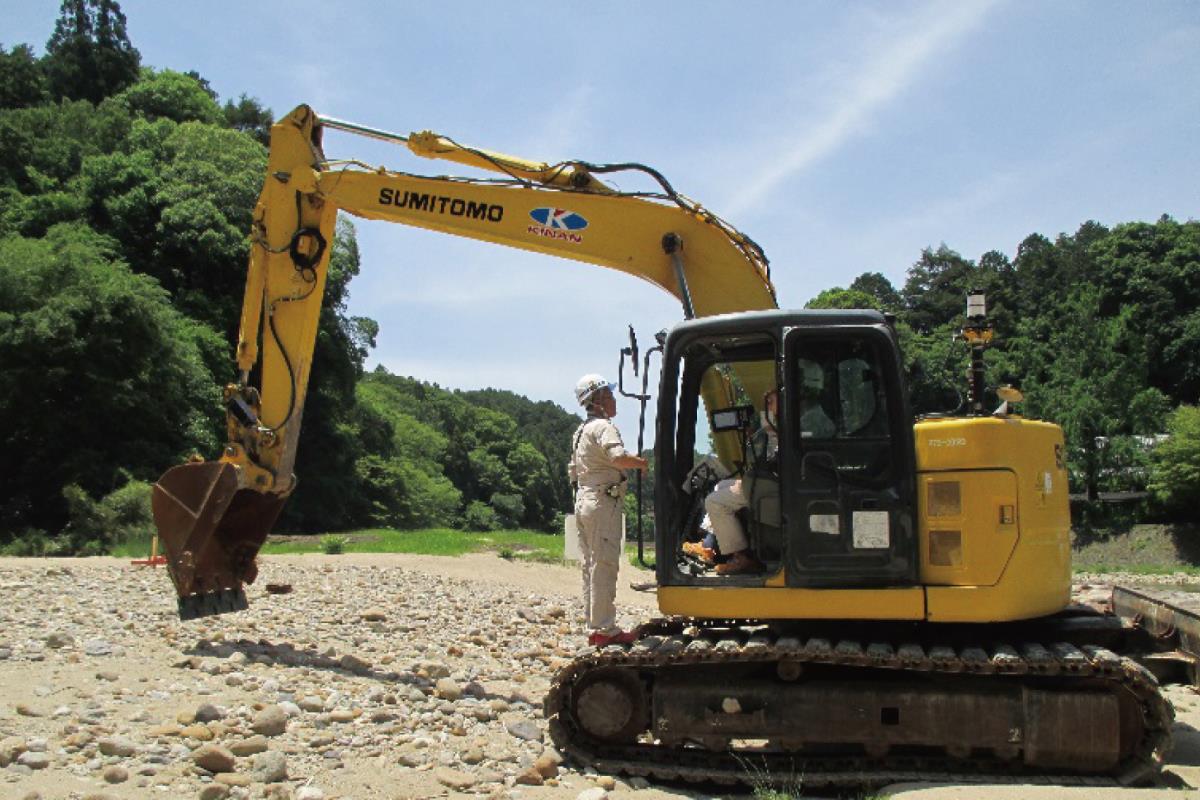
731	495
815	422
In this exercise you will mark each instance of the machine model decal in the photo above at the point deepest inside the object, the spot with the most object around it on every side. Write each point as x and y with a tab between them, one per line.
557	223
440	204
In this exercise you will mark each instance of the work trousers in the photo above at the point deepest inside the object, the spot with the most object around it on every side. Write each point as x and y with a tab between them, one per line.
722	505
598	520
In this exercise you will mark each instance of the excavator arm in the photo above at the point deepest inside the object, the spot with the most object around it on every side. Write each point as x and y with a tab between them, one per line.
213	517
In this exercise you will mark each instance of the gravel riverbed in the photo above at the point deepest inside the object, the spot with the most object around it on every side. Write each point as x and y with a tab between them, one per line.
377	676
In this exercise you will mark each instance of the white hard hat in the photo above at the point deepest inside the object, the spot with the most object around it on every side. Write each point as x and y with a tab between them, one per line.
588	385
813	376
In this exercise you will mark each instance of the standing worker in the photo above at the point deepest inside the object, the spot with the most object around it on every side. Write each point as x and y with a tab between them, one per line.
597	459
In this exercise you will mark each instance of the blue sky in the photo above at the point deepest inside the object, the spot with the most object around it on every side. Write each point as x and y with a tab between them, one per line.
844	138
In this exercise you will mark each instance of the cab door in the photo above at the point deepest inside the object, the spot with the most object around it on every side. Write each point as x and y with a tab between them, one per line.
846	449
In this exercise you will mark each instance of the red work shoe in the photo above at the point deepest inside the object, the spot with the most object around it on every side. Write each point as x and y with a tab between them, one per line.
698	551
743	562
597	639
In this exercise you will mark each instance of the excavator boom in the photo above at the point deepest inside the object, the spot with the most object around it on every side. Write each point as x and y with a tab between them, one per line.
213	517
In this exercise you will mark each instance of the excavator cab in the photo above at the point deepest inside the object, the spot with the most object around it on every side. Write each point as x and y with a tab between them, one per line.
834	508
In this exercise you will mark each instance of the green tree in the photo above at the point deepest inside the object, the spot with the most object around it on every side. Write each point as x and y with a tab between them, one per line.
249	116
22	79
1175	464
936	289
1154	270
102	378
89	56
167	94
880	288
842	298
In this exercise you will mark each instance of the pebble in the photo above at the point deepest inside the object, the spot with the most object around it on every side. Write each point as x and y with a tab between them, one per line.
249	746
201	733
363	675
271	721
530	777
547	764
97	647
117	746
208	713
595	793
213	758
453	779
352	663
269	767
57	640
524	729
115	774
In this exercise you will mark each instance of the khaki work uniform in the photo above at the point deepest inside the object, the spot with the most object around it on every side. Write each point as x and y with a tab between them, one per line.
598	507
728	497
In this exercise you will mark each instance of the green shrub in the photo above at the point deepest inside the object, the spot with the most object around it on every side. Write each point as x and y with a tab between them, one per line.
332	545
29	542
479	516
1175	464
93	527
130	511
510	508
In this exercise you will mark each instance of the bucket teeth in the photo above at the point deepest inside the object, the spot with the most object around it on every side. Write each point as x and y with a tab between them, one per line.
208	604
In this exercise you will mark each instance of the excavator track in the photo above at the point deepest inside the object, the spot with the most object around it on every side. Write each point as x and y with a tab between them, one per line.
614	709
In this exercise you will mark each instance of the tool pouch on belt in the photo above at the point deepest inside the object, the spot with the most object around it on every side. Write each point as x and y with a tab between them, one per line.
616	490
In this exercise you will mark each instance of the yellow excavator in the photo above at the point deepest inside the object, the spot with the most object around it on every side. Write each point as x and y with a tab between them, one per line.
912	619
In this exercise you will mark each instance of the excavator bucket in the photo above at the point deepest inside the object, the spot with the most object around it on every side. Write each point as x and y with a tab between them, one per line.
211	532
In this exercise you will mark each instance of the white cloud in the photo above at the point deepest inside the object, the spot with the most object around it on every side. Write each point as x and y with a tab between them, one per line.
562	128
887	71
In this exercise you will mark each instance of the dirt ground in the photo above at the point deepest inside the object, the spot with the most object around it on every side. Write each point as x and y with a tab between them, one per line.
150	647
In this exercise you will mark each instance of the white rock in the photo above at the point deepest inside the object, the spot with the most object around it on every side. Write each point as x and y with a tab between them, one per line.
524	729
97	647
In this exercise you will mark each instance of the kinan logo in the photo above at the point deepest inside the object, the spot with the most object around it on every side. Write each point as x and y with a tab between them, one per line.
557	223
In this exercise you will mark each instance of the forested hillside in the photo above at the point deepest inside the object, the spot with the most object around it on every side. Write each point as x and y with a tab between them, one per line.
1100	329
126	195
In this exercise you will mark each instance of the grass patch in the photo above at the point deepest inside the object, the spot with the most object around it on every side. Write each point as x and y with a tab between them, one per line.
1142	550
647	553
136	547
431	542
1136	569
524	545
